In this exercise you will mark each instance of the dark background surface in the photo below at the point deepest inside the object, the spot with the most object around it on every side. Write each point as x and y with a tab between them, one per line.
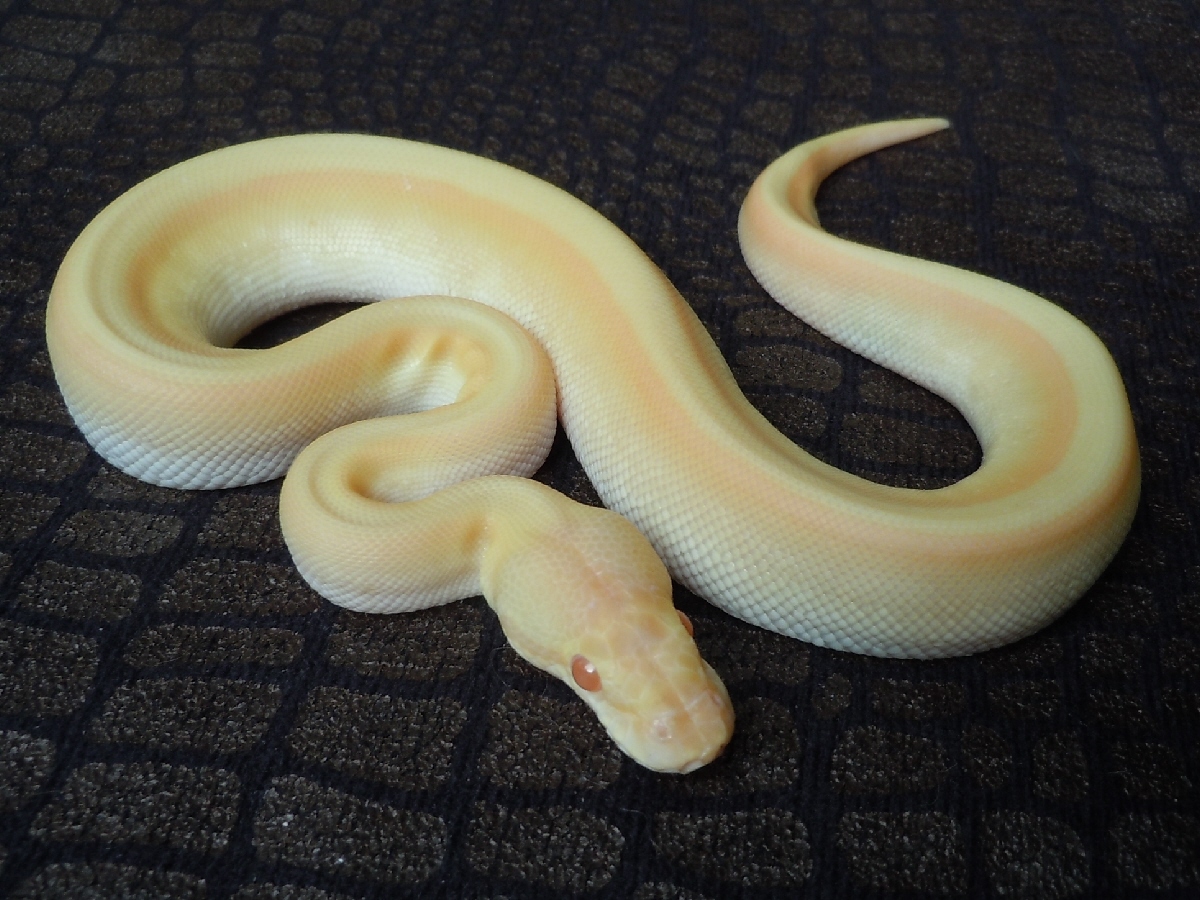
181	717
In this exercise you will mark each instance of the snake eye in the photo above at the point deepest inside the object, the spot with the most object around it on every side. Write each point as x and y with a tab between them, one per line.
585	674
687	623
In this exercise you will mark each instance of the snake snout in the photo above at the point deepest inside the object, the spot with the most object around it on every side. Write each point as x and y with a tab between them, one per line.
690	732
711	716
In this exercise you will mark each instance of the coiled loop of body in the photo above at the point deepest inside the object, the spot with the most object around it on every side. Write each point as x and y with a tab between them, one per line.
402	511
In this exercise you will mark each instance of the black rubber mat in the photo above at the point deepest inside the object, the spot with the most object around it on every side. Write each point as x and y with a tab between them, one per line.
181	717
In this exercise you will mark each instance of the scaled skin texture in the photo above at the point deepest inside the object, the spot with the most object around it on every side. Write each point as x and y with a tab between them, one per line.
524	304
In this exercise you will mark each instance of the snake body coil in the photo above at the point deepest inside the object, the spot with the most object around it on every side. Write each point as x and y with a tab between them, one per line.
399	512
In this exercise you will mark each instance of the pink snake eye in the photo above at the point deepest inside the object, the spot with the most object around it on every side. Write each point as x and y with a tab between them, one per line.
687	623
585	674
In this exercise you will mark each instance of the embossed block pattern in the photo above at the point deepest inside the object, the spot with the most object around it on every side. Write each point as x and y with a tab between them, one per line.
182	717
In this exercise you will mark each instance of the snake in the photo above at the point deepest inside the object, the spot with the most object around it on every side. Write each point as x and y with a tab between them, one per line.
496	305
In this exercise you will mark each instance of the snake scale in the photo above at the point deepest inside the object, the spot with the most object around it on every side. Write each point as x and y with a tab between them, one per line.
406	427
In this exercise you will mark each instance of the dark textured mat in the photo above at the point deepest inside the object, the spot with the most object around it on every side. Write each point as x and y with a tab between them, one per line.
181	717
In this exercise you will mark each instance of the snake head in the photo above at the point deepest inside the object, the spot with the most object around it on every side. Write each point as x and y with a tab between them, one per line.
590	602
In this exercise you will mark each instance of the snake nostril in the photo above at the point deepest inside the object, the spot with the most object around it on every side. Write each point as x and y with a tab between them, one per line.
585	674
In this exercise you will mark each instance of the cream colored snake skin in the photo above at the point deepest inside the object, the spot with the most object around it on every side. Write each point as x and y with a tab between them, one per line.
157	289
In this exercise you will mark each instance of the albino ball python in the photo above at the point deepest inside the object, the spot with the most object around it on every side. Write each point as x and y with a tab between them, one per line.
403	512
